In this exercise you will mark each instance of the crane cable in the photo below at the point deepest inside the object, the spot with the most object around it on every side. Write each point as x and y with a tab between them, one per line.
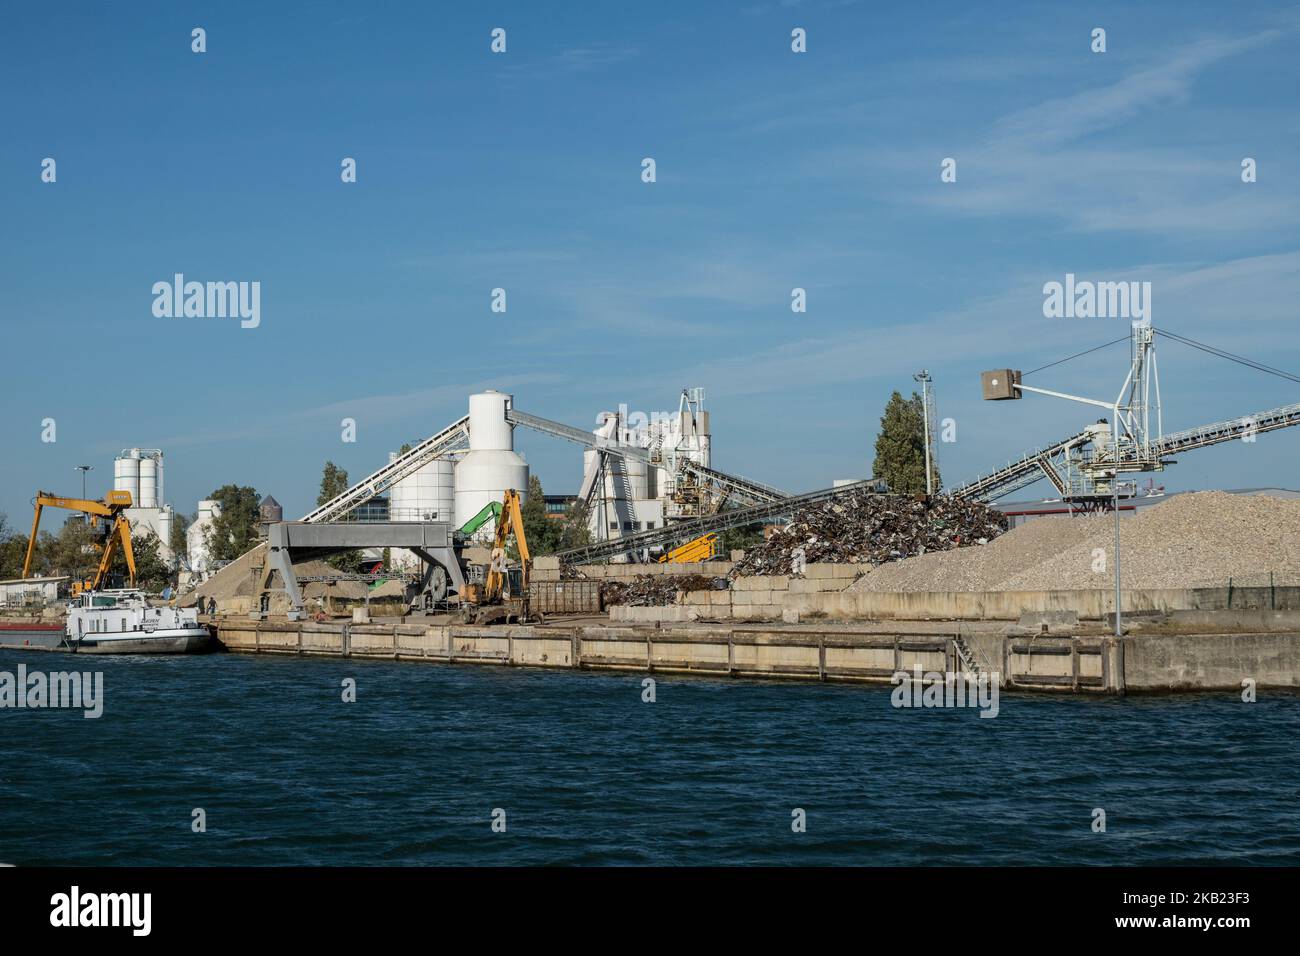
1075	356
1249	363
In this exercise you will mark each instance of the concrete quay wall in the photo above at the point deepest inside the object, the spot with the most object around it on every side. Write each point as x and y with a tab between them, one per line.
1153	663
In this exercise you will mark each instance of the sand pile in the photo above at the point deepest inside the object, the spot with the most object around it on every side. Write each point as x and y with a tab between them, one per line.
1191	540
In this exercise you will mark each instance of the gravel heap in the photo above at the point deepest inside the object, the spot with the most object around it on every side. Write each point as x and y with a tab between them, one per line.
1196	539
862	528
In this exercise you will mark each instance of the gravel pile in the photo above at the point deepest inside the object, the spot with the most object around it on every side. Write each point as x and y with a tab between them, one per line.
871	529
1191	540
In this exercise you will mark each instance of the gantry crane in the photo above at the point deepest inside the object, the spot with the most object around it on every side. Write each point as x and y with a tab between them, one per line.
113	507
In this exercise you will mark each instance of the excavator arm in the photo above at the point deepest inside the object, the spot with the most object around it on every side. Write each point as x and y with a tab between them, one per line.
510	519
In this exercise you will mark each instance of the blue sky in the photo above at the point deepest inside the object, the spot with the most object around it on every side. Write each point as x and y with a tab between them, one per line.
522	171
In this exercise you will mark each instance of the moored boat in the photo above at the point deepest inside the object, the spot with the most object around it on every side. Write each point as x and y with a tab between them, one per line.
122	622
31	633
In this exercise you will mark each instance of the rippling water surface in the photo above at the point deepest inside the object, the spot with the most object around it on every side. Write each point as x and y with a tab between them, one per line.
589	774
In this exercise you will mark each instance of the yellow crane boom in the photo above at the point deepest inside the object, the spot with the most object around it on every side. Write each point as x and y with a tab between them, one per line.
113	505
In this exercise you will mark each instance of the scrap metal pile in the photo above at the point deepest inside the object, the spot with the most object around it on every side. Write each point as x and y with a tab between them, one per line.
655	590
867	529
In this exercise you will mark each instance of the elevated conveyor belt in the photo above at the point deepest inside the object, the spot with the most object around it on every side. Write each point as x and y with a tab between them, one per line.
747	488
693	528
451	438
1206	435
1016	474
579	435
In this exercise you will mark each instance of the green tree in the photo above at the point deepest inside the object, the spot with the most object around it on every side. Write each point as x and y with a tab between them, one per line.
74	551
900	447
151	571
13	549
573	531
738	539
234	531
540	530
333	482
177	541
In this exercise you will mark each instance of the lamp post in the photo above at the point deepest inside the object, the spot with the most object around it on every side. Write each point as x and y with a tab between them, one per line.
923	377
83	469
1003	384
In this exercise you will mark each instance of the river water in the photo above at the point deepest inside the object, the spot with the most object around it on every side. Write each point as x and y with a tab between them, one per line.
586	772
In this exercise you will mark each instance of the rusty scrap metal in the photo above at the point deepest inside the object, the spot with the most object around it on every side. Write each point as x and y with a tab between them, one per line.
656	590
871	529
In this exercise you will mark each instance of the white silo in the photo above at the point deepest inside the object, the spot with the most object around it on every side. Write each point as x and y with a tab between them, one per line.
427	495
126	473
166	519
196	537
148	483
491	466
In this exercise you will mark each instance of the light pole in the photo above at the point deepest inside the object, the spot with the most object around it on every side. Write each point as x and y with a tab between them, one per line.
1119	630
1003	384
923	377
83	469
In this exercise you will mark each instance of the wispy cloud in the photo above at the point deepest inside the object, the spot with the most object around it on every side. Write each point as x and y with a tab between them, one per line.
1042	162
592	58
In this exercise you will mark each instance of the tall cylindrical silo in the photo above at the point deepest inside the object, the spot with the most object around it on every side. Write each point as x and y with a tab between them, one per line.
427	495
148	483
491	465
126	473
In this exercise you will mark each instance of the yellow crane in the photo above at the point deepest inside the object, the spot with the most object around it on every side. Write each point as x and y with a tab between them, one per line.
113	506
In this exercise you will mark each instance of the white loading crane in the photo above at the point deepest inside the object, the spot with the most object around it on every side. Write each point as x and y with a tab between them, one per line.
1085	467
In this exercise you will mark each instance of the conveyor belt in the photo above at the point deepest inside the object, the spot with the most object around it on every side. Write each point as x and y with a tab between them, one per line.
693	528
451	438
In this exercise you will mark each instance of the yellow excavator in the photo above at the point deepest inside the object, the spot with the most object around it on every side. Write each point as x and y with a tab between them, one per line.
492	600
113	507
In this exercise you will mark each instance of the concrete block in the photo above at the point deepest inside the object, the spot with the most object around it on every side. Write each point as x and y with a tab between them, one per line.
737	556
719	598
819	572
742	597
779	582
547	562
789	615
815	586
847	570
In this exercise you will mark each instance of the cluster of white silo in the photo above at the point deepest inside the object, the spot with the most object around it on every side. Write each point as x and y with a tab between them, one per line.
140	471
457	487
634	496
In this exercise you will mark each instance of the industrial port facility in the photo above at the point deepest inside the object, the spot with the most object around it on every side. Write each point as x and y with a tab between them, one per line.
852	564
541	437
